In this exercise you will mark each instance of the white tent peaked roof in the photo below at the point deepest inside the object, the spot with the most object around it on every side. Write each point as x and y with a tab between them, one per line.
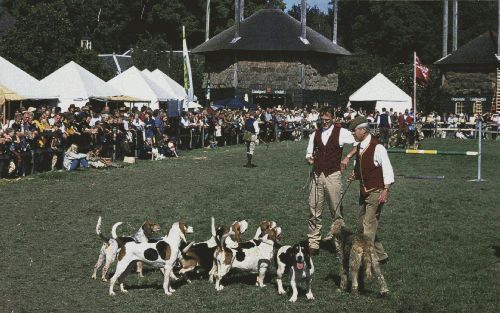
73	84
132	83
379	88
384	92
179	91
21	82
161	88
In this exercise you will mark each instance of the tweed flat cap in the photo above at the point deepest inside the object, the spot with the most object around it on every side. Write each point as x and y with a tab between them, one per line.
359	120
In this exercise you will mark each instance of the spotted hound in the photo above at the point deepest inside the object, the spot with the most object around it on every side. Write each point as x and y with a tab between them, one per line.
111	246
297	260
255	259
201	254
263	226
162	254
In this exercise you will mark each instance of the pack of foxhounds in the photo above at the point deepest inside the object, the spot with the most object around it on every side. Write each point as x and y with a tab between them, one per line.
225	251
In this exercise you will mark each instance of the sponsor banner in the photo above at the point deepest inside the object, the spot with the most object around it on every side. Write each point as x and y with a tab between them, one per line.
268	91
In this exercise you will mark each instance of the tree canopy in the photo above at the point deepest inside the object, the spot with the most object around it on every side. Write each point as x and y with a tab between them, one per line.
381	34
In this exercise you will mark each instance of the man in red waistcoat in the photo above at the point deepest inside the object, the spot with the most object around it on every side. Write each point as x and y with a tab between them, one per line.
325	153
374	171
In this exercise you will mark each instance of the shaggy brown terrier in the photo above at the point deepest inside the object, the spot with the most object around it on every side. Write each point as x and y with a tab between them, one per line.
354	251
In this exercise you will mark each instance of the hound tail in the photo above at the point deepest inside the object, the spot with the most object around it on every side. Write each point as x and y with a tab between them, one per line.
113	230
98	231
185	250
213	227
222	243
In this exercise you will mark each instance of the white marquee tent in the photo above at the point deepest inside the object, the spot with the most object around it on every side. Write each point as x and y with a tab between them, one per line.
133	83
20	82
75	85
177	89
161	86
384	93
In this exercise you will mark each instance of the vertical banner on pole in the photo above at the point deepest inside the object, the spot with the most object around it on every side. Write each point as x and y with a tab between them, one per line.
188	78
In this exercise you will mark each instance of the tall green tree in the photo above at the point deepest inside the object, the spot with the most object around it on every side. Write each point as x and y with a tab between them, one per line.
41	38
316	19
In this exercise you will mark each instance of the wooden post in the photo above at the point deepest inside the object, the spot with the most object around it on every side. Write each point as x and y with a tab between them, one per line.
303	18
335	12
4	111
445	28
455	25
3	103
237	18
207	25
235	74
241	8
414	86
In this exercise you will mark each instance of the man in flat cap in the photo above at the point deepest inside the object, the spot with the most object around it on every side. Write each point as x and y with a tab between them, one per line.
374	171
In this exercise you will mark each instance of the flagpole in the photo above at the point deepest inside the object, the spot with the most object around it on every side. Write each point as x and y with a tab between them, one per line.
414	86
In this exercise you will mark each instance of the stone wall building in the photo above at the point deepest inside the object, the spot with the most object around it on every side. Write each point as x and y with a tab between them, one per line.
470	76
266	60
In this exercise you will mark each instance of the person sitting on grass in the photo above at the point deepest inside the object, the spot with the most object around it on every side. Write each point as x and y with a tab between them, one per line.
73	159
96	160
168	147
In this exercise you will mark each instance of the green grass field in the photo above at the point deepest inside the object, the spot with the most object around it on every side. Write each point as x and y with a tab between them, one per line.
439	233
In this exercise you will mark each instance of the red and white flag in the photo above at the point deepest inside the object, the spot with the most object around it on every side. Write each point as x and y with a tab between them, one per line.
421	71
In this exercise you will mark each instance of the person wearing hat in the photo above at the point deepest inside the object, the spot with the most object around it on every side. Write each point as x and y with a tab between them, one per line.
324	151
374	171
250	136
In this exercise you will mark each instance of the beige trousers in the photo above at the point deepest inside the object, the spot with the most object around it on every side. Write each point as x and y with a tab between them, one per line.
323	189
368	219
251	145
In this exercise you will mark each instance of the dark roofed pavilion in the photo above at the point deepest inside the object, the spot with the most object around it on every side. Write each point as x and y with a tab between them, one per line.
270	30
270	62
471	76
477	53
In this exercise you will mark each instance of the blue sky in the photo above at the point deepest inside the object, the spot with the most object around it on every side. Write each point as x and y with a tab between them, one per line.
322	4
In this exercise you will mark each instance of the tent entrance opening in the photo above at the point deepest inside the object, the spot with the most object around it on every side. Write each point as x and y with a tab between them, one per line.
368	106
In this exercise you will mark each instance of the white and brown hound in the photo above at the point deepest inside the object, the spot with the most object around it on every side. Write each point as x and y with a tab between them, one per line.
111	246
255	259
263	226
162	254
201	254
297	260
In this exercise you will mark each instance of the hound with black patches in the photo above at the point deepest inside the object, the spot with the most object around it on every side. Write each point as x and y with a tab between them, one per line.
297	260
201	254
162	254
263	226
255	259
111	246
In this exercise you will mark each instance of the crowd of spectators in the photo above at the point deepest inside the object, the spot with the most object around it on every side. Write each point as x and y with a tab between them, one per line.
45	139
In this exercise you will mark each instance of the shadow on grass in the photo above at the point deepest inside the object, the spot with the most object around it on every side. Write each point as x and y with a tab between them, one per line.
497	250
158	286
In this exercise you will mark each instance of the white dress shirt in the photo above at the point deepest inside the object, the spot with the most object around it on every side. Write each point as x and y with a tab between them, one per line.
345	137
380	158
256	127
